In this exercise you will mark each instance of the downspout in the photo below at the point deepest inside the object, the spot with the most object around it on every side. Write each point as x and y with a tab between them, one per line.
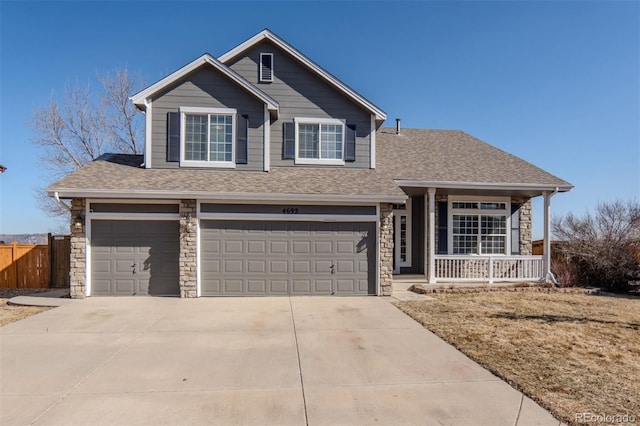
56	196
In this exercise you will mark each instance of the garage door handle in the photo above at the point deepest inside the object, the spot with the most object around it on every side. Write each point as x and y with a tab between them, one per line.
134	268
332	268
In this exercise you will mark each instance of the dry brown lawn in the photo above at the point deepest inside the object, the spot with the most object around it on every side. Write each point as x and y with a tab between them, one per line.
572	353
10	313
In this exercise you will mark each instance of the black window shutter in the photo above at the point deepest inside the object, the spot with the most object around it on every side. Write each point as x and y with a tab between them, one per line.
173	136
289	141
443	219
350	143
515	228
242	138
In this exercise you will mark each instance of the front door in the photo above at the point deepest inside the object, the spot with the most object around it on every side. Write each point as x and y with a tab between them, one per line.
402	236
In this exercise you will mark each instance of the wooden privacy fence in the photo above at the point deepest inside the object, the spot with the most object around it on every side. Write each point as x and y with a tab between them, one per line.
35	266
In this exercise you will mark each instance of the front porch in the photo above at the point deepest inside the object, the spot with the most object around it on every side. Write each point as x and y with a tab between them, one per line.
477	271
467	237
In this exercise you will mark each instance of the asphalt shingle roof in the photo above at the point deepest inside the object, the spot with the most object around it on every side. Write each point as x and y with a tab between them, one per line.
452	156
120	172
425	155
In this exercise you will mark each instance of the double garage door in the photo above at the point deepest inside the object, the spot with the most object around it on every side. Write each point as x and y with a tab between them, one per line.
237	258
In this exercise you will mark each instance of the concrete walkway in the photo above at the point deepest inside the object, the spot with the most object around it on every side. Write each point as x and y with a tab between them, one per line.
51	298
262	361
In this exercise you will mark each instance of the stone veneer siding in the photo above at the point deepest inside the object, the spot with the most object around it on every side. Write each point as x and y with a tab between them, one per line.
78	264
386	248
188	249
525	225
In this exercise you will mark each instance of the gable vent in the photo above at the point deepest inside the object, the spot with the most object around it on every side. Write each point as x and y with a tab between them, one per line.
266	67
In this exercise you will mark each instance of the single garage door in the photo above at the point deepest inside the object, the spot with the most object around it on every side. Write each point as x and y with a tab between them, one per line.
255	258
134	258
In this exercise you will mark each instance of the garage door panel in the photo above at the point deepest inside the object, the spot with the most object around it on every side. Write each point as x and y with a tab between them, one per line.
152	246
232	266
232	247
300	247
256	287
256	266
256	247
232	286
278	247
300	286
124	266
278	287
301	267
125	286
345	247
345	266
101	286
102	266
210	267
211	246
322	286
345	286
278	266
322	266
281	258
323	247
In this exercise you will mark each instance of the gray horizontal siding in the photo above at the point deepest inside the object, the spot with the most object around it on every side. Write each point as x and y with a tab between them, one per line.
207	88
300	93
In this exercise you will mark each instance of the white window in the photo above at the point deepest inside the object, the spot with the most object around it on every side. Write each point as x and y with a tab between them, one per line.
478	226
401	236
319	141
208	137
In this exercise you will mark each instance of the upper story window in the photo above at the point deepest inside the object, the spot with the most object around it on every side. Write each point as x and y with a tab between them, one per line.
208	137
319	141
266	67
479	227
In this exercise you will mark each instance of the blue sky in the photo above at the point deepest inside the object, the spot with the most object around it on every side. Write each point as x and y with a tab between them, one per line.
554	82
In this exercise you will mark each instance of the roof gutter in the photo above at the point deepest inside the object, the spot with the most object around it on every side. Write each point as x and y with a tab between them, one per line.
56	197
233	196
483	185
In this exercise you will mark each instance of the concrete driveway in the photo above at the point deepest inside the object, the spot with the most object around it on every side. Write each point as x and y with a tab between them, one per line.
316	361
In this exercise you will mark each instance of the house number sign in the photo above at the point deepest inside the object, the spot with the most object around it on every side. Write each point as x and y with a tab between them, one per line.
290	210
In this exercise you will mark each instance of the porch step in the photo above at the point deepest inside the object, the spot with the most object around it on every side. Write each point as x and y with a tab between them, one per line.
401	285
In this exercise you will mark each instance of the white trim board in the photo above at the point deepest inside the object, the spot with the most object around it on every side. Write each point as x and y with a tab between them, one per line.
232	196
416	183
287	217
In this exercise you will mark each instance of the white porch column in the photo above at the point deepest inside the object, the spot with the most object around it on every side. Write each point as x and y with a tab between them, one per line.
431	193
546	246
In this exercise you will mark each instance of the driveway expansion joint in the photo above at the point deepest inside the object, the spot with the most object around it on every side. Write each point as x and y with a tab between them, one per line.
295	334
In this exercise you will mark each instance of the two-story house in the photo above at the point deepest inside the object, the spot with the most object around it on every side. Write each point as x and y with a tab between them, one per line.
263	174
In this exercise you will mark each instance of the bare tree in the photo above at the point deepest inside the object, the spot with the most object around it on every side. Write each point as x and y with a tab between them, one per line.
81	125
123	127
604	246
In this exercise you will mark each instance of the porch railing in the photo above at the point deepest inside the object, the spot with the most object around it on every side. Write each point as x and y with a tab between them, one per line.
489	268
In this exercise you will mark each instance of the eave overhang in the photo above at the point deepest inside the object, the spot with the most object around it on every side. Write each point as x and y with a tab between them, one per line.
528	189
229	196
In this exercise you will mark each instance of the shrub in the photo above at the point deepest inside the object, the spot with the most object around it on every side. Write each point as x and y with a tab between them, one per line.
602	247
